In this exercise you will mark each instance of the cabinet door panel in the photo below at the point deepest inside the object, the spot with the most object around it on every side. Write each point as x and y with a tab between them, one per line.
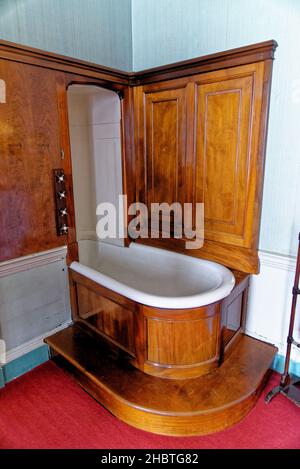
161	131
29	149
165	145
106	316
226	130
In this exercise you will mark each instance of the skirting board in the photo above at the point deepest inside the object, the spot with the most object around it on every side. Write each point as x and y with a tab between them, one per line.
26	357
269	306
2	383
27	362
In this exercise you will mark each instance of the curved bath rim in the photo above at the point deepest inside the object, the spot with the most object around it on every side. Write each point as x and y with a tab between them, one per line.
154	277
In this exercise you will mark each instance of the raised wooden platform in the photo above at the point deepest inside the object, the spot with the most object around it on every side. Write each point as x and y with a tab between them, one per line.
194	406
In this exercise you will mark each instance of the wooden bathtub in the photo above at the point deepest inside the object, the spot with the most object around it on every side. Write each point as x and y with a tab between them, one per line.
161	307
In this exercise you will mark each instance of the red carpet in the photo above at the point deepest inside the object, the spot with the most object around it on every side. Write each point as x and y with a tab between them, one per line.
47	409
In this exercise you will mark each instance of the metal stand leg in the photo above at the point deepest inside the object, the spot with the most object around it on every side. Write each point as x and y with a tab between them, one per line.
291	391
288	384
272	394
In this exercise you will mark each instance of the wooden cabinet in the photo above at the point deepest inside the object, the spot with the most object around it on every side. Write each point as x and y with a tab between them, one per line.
201	139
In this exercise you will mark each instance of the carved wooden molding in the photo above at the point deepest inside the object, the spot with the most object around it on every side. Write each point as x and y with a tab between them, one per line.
230	58
40	58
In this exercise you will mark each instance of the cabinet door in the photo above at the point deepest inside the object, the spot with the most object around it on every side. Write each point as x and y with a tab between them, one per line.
29	150
161	125
227	160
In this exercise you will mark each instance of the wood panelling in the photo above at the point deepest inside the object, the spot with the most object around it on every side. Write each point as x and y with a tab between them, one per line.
232	319
199	132
30	150
160	146
224	133
182	342
104	311
228	109
106	316
233	314
163	146
165	113
34	140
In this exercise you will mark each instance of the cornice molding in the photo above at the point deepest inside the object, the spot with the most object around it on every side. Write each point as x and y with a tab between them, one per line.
230	58
31	55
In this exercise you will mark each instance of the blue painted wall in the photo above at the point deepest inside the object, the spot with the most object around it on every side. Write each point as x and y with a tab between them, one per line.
166	31
94	30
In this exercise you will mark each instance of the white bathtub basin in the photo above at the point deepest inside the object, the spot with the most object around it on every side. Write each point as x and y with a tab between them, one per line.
154	277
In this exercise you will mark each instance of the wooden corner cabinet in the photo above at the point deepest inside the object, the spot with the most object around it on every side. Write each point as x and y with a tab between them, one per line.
201	139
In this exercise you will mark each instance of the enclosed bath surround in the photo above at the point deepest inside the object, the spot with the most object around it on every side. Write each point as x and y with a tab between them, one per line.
158	330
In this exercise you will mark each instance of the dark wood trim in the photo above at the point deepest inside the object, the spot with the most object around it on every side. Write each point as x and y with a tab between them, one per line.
41	58
67	161
128	153
241	289
230	58
262	145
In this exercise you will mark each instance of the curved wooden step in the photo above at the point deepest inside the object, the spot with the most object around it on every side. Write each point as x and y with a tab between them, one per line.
194	406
